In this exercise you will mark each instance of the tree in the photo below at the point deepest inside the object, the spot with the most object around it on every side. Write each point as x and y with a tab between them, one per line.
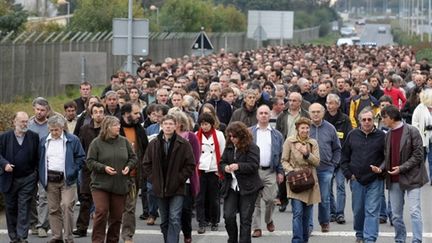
186	15
12	16
191	15
228	19
97	15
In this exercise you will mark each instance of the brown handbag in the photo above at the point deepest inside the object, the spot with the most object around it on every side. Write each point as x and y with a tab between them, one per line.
300	180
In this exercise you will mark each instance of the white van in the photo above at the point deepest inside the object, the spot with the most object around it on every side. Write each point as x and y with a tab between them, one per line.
344	41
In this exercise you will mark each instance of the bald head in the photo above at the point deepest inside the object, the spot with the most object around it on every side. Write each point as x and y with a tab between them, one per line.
20	123
263	116
316	112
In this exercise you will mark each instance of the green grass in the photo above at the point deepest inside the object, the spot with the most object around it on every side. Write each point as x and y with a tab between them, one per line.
327	40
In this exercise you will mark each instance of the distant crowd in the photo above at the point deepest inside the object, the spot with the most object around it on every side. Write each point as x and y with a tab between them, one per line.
279	125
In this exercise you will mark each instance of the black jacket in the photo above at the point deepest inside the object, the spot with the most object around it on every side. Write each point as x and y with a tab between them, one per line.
359	152
223	110
341	122
247	175
7	139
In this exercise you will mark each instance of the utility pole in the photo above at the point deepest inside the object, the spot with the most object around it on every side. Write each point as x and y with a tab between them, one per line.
129	39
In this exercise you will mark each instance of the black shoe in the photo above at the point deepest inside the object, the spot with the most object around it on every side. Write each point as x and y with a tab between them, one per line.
201	230
340	219
382	220
332	218
144	216
214	227
80	233
282	207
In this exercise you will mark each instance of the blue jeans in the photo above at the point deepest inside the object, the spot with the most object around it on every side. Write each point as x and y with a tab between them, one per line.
324	180
397	196
152	201
366	204
302	213
429	157
171	210
17	201
337	206
385	211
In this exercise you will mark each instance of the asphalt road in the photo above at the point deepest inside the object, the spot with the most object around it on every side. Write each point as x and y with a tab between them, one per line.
369	33
283	233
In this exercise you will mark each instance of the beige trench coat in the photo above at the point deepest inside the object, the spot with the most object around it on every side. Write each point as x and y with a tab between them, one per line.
293	160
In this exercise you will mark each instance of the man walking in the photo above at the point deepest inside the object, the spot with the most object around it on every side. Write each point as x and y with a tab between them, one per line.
405	172
363	148
330	152
136	135
168	163
18	177
270	170
87	133
39	124
342	123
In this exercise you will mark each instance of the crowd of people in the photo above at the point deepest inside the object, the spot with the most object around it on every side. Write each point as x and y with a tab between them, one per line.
233	129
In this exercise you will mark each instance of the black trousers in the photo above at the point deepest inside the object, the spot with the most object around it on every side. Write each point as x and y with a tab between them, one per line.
186	217
282	194
86	201
207	202
245	205
18	201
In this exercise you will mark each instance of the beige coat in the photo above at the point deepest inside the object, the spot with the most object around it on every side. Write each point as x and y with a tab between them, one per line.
292	160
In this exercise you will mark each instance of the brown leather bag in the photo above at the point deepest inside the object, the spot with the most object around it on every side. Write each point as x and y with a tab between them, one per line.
300	180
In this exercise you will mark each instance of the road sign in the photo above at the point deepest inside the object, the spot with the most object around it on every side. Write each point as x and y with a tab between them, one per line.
140	37
276	24
202	44
260	34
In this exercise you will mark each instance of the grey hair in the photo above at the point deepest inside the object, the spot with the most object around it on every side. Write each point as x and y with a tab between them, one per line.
111	93
302	81
57	121
42	102
364	111
213	84
160	90
333	97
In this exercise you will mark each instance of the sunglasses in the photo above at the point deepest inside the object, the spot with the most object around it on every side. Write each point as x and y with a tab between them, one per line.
367	119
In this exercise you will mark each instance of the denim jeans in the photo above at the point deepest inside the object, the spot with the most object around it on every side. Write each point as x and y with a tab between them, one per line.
324	180
170	209
302	213
366	203
429	157
337	206
152	201
397	198
17	201
385	211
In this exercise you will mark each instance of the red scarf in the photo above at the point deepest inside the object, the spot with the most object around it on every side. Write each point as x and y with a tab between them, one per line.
216	146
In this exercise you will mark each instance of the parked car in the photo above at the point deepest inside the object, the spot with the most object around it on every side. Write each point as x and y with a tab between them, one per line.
347	31
382	29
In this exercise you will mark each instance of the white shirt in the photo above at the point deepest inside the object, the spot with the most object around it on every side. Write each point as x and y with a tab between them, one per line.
263	141
55	153
234	182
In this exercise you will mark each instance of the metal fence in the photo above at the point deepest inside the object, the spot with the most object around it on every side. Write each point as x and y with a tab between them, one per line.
29	62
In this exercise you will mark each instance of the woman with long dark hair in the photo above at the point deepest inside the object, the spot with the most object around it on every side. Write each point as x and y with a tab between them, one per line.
241	181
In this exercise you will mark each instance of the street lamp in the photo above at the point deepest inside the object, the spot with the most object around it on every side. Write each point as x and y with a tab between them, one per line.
63	2
154	8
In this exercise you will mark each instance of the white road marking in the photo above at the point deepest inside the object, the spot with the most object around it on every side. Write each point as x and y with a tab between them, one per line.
275	233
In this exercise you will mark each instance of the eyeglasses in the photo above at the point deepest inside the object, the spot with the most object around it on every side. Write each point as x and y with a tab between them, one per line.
367	119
